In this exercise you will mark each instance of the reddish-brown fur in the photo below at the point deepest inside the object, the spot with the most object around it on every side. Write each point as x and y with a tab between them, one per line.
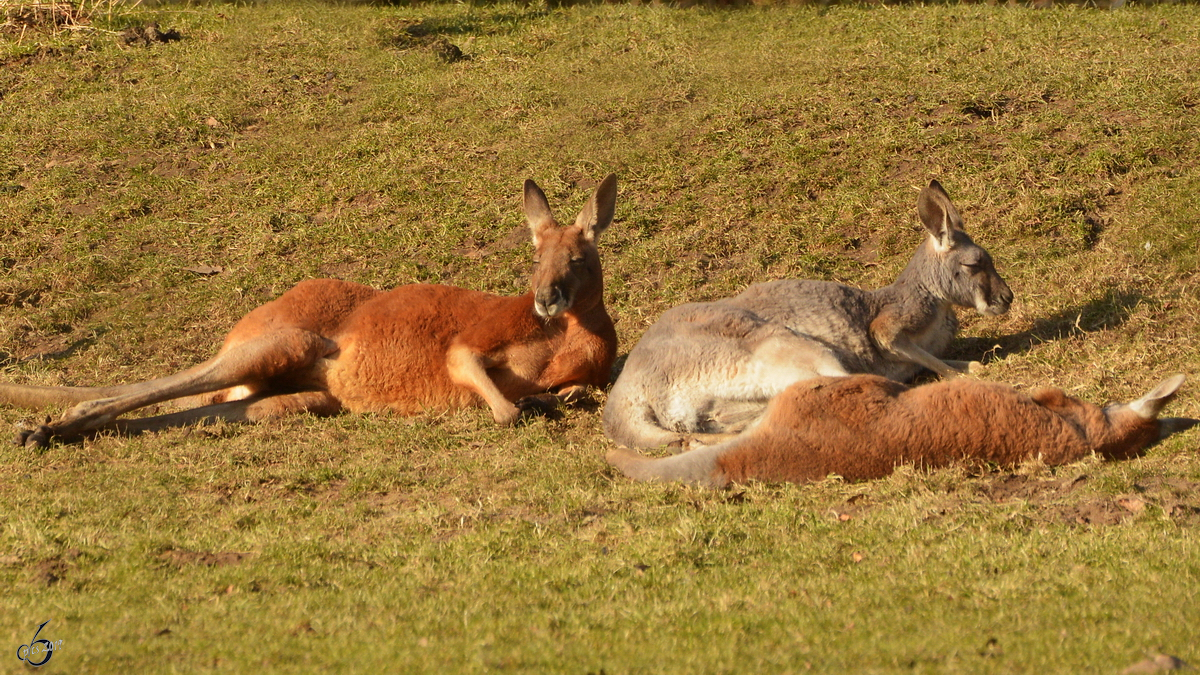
864	426
411	328
328	345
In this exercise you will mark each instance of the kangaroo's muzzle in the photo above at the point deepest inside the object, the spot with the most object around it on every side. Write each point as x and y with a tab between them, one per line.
550	301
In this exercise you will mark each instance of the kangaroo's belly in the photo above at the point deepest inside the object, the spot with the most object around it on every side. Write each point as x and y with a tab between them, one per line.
392	351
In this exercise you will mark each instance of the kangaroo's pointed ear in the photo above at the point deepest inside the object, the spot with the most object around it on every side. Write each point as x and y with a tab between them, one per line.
537	211
597	215
938	215
1148	406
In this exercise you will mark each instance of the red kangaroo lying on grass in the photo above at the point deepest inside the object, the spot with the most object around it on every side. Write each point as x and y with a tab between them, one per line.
864	426
329	345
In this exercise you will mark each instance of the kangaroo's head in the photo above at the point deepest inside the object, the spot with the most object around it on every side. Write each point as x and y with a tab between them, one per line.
951	265
1134	426
568	265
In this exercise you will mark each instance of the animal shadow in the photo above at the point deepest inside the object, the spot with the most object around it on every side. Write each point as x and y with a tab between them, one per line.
1103	313
69	350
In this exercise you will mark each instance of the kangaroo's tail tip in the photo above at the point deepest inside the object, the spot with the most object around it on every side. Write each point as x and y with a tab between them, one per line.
626	461
695	467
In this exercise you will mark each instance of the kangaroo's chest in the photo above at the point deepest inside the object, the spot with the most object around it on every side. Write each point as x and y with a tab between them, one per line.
576	355
935	336
524	361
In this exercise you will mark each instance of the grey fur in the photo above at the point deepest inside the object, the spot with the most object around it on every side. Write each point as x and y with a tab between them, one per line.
706	370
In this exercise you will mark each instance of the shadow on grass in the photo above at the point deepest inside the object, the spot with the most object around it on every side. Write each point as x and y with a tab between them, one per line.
495	22
1169	426
90	339
1103	313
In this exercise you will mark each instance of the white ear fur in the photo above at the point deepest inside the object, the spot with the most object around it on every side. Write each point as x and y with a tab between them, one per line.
598	213
1148	406
939	216
537	211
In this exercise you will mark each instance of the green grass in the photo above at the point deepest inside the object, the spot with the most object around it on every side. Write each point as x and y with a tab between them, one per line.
282	142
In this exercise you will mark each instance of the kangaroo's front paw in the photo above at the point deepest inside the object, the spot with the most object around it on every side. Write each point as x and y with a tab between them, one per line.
507	416
543	406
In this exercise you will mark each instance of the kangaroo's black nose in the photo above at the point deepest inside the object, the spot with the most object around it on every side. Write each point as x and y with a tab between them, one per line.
550	296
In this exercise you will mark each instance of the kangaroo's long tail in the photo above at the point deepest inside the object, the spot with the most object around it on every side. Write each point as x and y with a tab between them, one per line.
29	396
697	467
630	421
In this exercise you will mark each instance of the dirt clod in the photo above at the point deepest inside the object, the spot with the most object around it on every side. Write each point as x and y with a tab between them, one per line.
144	36
50	571
424	34
446	50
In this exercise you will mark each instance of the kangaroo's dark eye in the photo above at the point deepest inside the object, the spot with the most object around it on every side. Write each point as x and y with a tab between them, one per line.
577	261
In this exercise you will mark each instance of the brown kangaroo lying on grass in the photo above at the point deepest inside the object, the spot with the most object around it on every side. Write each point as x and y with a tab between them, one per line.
863	426
707	369
329	345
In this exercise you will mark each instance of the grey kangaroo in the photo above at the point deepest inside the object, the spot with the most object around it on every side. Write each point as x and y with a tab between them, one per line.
706	370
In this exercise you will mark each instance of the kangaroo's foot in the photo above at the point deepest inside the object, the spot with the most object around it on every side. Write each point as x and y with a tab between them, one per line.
34	438
963	368
550	404
64	429
540	405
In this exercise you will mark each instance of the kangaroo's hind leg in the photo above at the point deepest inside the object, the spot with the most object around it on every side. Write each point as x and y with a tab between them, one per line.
741	393
733	396
254	409
255	362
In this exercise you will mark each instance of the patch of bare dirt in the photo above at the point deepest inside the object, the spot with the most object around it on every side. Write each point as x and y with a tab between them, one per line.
388	502
1012	487
81	209
1094	512
1167	486
181	557
52	570
1178	498
49	572
379	504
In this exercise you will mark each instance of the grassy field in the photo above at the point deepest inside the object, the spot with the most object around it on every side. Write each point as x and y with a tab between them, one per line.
286	141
